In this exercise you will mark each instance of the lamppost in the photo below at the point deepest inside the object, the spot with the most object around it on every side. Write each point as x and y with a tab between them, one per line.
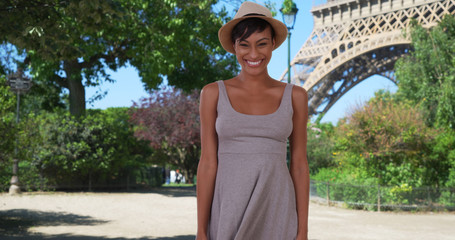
19	84
289	11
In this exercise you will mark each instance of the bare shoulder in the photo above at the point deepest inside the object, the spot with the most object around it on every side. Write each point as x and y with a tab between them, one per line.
210	92
300	107
299	95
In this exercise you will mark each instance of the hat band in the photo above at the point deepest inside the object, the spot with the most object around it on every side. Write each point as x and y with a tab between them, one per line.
254	14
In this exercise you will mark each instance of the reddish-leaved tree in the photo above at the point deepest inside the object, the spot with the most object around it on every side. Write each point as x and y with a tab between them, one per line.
169	119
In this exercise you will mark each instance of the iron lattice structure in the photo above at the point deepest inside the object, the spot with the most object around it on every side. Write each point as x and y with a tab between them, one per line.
355	39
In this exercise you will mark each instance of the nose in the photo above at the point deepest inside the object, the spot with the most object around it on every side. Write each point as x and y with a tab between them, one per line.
254	52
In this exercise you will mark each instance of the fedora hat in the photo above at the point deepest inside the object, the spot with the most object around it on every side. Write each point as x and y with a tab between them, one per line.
251	10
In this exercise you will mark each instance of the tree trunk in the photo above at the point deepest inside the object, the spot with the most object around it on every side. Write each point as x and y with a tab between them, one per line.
187	177
90	182
77	98
190	177
192	157
76	89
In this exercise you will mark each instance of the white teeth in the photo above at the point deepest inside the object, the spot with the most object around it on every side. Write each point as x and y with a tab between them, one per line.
254	63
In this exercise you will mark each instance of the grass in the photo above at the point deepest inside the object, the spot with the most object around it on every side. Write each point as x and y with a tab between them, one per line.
178	185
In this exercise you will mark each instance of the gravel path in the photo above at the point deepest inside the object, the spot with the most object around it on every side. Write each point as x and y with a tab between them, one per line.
170	214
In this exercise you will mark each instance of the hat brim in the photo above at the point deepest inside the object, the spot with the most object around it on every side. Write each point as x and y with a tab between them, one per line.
224	34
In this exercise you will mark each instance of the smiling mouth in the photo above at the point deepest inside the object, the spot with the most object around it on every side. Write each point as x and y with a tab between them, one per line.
251	63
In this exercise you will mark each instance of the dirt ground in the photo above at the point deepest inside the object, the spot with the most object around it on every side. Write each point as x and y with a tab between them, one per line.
170	214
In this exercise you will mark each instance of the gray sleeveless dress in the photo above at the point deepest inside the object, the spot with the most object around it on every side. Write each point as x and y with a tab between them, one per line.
254	194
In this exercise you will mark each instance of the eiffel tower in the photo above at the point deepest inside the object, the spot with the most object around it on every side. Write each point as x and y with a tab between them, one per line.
355	39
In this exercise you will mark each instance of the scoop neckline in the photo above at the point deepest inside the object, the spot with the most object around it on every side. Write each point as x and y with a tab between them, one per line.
253	115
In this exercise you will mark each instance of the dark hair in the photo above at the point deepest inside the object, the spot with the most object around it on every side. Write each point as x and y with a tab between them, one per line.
246	27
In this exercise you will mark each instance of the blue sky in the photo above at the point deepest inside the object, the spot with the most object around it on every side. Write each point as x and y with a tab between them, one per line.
128	88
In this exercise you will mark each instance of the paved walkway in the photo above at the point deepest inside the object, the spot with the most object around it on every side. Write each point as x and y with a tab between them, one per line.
170	214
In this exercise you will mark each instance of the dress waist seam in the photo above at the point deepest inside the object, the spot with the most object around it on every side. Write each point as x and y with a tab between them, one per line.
252	153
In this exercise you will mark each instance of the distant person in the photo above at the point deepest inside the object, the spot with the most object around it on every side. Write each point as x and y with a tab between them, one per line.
178	176
172	176
167	176
244	188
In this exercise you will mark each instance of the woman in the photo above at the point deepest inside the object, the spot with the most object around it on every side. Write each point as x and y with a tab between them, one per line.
244	188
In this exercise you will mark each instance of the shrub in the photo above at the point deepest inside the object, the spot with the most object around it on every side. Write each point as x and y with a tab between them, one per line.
320	146
383	135
97	150
8	132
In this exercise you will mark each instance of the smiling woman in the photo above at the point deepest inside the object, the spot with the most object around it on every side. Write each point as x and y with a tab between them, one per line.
244	188
253	51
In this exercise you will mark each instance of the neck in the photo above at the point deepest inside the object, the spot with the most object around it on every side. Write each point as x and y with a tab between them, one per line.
257	78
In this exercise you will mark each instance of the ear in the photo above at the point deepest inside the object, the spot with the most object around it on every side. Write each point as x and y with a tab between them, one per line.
273	42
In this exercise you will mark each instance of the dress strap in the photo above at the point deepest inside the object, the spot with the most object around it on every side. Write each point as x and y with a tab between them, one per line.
287	97
286	101
222	94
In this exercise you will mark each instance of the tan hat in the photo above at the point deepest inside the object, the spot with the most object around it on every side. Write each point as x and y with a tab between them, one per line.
251	10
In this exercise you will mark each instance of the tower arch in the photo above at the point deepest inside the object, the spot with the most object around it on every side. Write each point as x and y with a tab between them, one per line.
355	39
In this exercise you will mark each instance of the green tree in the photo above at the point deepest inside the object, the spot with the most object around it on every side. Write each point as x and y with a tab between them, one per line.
385	134
71	43
7	120
443	158
96	149
321	143
427	75
288	6
8	131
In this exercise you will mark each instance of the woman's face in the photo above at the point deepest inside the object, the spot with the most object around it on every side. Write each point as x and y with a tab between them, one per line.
255	52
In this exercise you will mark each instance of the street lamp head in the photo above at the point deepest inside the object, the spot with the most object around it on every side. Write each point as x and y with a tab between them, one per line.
18	82
289	11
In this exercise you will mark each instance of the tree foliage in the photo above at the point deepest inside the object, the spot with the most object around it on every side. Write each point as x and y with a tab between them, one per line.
169	120
443	157
288	6
8	128
427	75
320	146
386	142
73	43
99	148
389	140
8	131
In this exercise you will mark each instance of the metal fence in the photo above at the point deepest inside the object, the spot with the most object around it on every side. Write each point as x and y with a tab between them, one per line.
380	198
135	179
377	198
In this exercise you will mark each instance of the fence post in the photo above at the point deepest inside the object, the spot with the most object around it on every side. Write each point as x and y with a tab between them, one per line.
328	193
379	198
429	197
128	182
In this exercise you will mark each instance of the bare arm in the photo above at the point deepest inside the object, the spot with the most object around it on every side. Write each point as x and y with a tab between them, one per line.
299	165
208	163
